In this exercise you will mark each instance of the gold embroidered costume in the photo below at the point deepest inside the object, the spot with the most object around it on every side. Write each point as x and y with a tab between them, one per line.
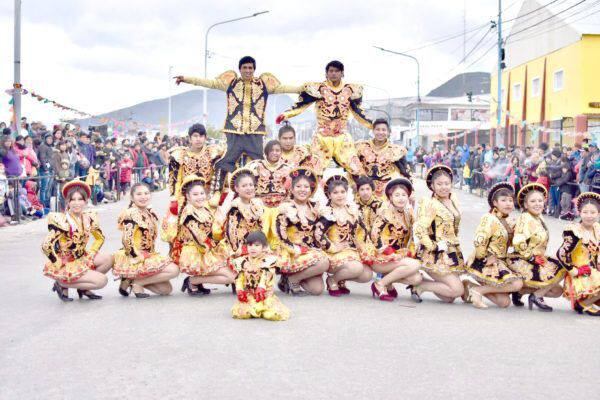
255	273
435	222
580	248
530	240
341	234
185	162
333	106
382	163
138	257
299	156
272	185
368	210
200	254
491	262
65	245
239	221
392	229
296	231
246	100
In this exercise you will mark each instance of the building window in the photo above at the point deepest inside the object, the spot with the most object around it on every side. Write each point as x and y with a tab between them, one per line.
535	87
433	114
517	91
559	80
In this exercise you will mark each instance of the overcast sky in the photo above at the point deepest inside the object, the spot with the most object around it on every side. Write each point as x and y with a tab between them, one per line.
100	55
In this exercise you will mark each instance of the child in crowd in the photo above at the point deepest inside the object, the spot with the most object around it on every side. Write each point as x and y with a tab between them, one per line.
255	282
126	168
148	179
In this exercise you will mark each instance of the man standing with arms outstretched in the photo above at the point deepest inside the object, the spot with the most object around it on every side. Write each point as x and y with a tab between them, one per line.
246	104
335	101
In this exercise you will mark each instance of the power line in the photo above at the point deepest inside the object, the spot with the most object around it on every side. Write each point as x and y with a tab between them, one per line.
445	39
531	12
546	19
564	22
478	28
476	45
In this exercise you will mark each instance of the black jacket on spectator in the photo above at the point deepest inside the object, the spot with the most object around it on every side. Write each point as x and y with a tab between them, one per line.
554	169
45	155
564	182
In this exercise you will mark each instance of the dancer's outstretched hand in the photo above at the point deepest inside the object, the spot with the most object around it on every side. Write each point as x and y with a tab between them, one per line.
280	119
178	79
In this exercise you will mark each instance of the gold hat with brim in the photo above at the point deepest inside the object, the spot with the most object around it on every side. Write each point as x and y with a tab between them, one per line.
586	196
433	170
76	183
495	188
235	173
404	182
530	187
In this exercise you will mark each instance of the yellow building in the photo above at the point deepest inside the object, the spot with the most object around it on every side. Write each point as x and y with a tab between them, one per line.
551	83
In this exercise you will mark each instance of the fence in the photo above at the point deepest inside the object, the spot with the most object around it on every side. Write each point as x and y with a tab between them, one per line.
53	186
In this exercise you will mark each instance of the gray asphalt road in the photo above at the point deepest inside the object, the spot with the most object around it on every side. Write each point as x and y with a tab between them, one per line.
351	347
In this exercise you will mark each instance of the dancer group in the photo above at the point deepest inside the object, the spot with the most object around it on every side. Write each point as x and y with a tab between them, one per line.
239	219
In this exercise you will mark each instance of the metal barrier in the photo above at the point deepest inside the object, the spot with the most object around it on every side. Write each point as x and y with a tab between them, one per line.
112	182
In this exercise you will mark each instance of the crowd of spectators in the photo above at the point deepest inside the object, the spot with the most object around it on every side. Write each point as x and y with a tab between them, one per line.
37	161
564	170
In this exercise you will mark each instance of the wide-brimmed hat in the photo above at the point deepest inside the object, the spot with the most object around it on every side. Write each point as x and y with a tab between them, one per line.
404	182
433	170
586	196
495	188
530	187
76	183
189	179
235	173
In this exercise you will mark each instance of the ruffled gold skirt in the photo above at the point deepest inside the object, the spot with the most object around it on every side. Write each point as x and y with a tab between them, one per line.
538	276
138	267
582	287
496	274
338	259
443	263
195	261
292	263
71	271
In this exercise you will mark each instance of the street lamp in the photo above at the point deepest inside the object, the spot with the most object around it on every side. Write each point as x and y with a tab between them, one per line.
418	83
205	109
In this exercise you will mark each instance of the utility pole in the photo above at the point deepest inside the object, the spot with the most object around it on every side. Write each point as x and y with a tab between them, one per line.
17	71
500	61
169	112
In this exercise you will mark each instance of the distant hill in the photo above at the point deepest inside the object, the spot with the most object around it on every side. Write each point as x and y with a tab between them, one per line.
476	82
188	105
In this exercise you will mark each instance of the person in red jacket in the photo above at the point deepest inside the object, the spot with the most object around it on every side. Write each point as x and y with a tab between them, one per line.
126	167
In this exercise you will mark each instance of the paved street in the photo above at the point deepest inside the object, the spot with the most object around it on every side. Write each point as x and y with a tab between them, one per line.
351	347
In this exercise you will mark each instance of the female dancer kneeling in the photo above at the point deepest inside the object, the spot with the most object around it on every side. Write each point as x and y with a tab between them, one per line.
436	229
70	264
303	262
200	258
579	255
137	263
392	235
541	275
338	232
493	252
